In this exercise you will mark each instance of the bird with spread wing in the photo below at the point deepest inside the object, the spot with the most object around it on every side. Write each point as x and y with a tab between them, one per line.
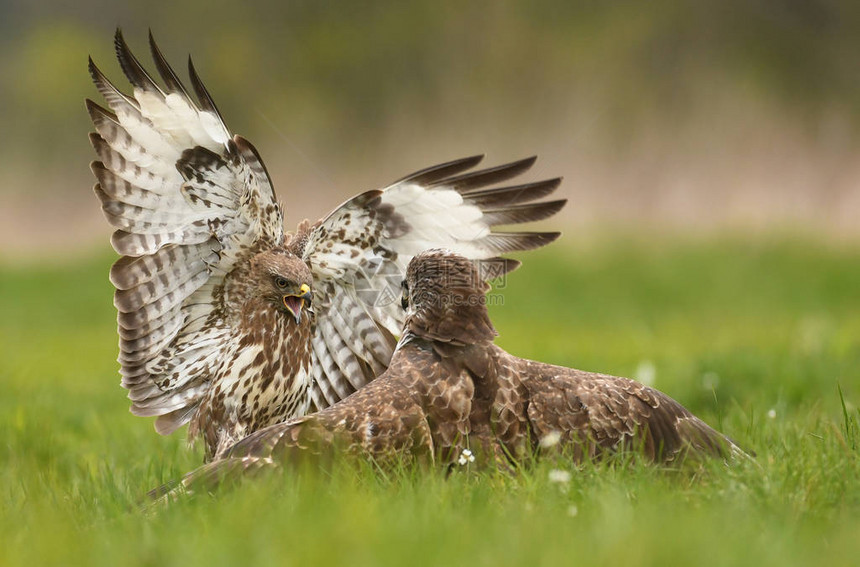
449	392
227	322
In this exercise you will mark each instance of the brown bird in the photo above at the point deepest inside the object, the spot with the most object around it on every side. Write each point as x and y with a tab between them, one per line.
224	319
450	394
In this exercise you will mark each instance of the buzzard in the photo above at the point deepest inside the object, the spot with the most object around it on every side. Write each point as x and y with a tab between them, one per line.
225	320
451	395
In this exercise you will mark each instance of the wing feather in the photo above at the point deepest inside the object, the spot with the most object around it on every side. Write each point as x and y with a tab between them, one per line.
445	170
359	253
518	214
514	195
485	177
174	84
190	201
605	412
131	244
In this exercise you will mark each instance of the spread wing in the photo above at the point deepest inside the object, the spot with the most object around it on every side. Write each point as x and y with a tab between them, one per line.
359	253
189	202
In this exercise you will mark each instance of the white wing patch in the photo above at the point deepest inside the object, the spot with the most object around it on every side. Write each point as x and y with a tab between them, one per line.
359	253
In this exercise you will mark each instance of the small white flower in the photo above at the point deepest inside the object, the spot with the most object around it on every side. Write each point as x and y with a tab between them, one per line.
560	476
771	413
646	373
551	439
710	380
466	457
572	510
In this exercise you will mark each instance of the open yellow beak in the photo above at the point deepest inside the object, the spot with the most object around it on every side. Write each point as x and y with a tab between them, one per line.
296	302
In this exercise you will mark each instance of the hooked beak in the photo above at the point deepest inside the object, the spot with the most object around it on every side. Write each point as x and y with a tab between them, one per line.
296	302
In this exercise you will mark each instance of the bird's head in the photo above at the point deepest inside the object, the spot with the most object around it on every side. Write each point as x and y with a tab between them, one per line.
444	297
284	280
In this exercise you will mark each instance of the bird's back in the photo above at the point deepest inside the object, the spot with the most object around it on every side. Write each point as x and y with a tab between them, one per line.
594	413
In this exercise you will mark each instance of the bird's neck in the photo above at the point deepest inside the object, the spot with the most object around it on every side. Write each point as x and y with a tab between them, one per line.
463	325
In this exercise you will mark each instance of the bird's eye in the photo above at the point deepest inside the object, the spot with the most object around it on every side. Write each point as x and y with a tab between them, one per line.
281	282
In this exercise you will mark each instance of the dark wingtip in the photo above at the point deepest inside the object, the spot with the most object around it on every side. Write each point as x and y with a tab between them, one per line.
206	101
518	214
168	75
522	241
550	237
511	265
434	173
552	207
91	105
513	195
98	113
132	68
119	44
484	177
525	163
125	58
95	73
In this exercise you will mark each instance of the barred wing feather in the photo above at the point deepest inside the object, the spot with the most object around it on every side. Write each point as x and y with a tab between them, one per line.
360	251
189	202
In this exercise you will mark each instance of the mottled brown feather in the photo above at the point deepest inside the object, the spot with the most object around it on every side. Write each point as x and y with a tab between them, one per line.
443	394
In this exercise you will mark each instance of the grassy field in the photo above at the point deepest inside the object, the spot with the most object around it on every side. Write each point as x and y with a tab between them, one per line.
756	338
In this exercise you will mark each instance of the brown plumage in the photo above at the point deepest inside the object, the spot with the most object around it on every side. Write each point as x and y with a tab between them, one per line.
449	389
206	335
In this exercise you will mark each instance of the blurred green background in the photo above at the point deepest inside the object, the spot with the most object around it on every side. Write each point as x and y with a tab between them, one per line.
670	113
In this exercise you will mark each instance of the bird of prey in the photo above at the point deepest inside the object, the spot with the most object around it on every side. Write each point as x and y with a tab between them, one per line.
449	392
225	320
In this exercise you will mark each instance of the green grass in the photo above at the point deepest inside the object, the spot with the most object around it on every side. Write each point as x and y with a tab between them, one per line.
736	331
